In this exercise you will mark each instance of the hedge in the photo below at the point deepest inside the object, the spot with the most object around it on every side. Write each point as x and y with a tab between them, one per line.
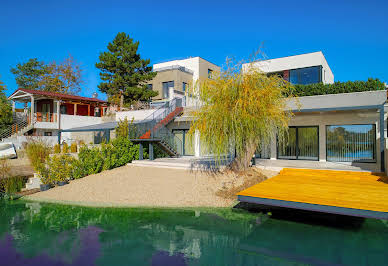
338	87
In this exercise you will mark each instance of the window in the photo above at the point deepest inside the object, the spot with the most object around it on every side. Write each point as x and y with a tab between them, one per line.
63	109
149	87
209	73
349	143
166	88
48	133
184	86
301	143
307	75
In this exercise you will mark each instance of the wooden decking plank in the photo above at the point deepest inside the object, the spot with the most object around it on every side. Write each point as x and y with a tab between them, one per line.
356	190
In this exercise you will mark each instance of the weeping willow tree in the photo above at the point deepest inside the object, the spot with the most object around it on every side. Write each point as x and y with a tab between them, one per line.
240	110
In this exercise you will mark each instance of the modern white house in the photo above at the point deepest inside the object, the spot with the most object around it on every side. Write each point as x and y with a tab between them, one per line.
346	129
297	69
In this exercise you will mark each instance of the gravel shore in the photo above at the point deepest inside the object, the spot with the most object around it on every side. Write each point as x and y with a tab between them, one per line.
141	186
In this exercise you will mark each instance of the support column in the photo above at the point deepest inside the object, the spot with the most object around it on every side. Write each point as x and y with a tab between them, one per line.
13	106
88	109
140	151
197	144
75	109
59	137
58	114
32	109
382	139
151	151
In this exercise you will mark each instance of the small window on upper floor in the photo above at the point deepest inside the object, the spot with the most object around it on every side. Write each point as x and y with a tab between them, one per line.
210	73
149	86
166	88
184	86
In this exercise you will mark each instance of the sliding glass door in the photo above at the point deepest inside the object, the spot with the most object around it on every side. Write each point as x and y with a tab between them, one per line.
301	143
183	142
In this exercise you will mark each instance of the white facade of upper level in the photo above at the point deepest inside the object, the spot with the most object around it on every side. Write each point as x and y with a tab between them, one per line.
199	66
292	67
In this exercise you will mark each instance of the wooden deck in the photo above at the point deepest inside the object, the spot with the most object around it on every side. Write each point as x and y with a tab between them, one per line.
343	192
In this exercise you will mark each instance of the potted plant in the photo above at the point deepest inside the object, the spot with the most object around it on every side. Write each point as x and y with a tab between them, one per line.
60	169
44	178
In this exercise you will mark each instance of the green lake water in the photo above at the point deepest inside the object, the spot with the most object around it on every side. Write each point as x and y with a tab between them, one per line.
33	233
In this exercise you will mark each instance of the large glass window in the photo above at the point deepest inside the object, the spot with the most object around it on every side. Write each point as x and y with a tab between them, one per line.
300	143
166	88
307	75
349	143
183	141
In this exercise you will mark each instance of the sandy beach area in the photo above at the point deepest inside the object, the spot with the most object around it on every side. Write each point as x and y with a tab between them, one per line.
143	186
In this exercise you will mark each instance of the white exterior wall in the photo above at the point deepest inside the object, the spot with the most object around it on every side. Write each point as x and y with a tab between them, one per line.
71	121
198	65
138	115
295	62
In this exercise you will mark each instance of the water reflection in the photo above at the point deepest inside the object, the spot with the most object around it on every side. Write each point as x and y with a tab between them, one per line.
49	234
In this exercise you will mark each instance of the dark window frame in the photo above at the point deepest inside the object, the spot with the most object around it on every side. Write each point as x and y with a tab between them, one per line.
374	160
295	69
297	148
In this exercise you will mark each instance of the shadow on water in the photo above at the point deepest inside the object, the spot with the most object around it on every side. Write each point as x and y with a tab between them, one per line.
306	217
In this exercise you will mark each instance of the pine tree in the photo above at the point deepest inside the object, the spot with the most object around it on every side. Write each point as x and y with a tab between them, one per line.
123	73
5	108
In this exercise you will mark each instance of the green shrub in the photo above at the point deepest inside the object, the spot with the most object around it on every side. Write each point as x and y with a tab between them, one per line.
338	87
91	160
45	176
57	148
78	169
125	151
60	168
122	129
73	147
38	153
12	184
65	148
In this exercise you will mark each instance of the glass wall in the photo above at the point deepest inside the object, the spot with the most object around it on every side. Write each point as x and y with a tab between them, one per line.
307	75
184	144
301	143
349	143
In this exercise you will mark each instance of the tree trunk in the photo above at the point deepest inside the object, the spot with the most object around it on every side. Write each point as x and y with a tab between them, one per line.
121	101
243	158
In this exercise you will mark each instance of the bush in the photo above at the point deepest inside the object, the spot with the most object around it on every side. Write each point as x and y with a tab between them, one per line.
338	87
125	151
73	147
60	168
38	153
44	173
65	148
122	129
78	169
57	148
91	160
12	184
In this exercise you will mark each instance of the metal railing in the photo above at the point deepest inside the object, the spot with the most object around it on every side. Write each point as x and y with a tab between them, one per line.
45	117
19	123
153	128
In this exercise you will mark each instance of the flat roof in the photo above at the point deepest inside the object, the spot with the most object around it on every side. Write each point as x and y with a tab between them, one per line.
363	99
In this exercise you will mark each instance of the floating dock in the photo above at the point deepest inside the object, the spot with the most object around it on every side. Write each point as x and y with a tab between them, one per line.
361	194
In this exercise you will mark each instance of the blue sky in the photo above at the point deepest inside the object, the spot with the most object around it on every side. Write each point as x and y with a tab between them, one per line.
352	34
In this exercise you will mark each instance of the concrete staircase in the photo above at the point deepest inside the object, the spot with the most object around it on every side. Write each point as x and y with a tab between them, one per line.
33	183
